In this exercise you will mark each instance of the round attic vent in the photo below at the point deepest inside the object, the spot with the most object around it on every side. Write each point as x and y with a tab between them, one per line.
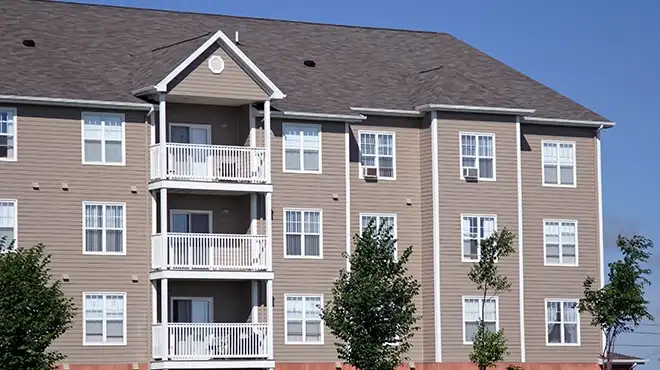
216	64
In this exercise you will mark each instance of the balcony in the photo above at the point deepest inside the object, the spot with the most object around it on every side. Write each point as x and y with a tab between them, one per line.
211	341
209	252
204	166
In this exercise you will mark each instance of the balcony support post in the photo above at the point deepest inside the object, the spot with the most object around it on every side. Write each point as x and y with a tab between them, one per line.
162	135
163	228
164	318
267	138
269	306
269	231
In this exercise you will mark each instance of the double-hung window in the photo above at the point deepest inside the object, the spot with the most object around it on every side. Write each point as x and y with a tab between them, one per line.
303	319
8	221
559	163
478	151
105	228
472	316
103	138
379	220
475	229
303	233
7	134
562	322
302	147
377	150
561	242
105	319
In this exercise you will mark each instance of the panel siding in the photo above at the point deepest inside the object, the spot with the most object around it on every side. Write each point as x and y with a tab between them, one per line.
308	276
457	196
579	203
426	247
390	196
49	152
232	83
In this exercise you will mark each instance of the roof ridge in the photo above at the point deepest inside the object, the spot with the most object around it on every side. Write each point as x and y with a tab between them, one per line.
181	42
244	17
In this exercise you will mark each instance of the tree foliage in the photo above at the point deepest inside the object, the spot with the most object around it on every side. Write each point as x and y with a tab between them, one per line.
489	348
620	305
372	313
33	310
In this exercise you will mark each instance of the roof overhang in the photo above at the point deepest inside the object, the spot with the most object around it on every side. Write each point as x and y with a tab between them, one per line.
388	112
81	103
567	122
473	109
314	116
233	50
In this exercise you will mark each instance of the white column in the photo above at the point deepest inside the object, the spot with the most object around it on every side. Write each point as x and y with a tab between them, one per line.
521	238
253	231
162	132
163	225
269	230
267	138
253	127
152	125
269	306
164	317
255	301
154	304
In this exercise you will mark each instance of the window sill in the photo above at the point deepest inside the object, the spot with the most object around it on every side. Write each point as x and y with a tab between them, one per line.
303	172
559	186
304	343
560	265
480	179
103	164
8	160
104	253
103	344
562	344
303	257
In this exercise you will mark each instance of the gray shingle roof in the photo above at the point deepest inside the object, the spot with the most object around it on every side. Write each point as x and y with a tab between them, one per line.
102	53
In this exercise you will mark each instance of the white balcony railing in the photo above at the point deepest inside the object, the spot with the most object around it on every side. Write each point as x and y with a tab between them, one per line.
210	252
215	341
196	162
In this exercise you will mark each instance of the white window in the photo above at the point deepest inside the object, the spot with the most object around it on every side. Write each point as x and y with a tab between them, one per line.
478	151
303	319
472	316
103	138
563	322
104	228
559	163
379	220
475	229
302	148
8	221
303	235
377	150
561	242
104	321
7	134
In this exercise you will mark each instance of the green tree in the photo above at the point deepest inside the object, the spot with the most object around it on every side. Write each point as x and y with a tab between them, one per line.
489	347
619	306
33	309
372	313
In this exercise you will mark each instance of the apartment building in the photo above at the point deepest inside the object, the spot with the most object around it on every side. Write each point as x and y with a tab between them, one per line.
197	178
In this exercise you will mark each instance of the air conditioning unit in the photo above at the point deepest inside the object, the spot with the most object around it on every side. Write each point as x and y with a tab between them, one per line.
470	173
370	172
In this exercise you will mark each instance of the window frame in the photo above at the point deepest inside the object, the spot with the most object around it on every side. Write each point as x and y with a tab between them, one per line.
302	234
394	226
559	184
103	239
463	215
14	113
304	319
104	324
15	202
174	211
209	128
302	148
497	313
562	323
103	162
561	248
477	156
377	166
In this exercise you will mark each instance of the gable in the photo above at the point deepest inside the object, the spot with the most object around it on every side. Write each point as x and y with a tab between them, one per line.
232	82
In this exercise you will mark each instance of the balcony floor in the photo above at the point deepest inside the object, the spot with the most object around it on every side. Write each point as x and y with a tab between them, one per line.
208	187
211	275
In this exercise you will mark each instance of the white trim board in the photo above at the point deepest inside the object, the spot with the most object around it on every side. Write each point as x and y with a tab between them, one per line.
81	103
314	116
388	112
473	109
567	122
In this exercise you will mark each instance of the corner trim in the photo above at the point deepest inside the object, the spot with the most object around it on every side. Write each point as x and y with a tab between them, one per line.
601	239
81	103
436	235
473	109
521	265
315	116
347	175
388	112
568	122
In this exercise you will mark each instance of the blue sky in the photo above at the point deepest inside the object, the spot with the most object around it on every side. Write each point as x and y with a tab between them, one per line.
603	54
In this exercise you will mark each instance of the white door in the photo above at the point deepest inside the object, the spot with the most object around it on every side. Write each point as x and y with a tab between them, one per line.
189	161
190	251
197	340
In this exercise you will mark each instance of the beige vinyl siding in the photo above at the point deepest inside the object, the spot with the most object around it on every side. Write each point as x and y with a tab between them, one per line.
233	83
224	120
543	202
427	308
49	152
308	276
390	196
483	198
